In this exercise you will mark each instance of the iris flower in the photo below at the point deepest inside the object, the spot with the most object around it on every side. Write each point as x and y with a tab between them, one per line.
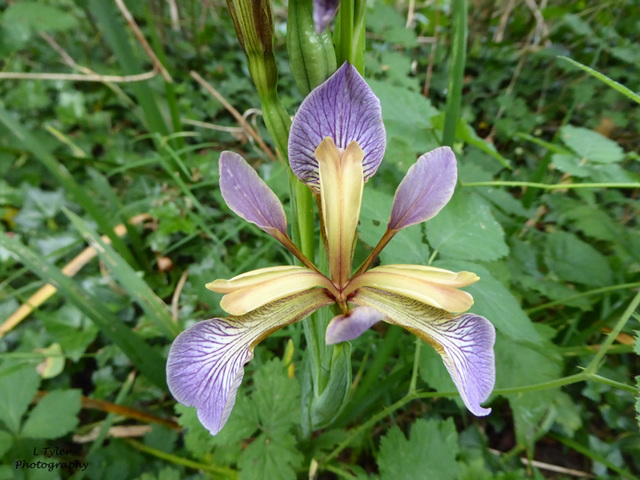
336	144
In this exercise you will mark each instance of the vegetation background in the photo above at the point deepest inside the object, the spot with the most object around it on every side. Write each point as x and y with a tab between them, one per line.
110	116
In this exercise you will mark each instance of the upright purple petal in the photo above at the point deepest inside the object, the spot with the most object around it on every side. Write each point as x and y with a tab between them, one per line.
248	196
323	13
425	189
344	328
345	109
465	342
206	361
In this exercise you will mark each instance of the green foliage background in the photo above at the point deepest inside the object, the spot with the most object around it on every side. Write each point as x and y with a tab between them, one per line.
546	214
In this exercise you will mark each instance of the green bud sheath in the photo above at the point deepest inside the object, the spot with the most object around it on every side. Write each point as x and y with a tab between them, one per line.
312	57
253	22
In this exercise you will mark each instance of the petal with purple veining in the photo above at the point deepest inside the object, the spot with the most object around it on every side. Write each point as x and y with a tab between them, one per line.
465	342
323	13
345	109
347	327
248	196
206	362
425	189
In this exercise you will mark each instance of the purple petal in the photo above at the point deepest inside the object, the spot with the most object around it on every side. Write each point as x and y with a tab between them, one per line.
248	196
344	328
425	189
465	342
323	13
205	364
345	109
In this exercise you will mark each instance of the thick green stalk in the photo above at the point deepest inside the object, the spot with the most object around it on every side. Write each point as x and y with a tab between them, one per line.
456	71
349	34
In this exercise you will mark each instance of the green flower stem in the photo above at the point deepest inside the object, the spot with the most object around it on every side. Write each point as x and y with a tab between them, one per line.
595	362
416	361
456	71
177	460
549	186
349	34
611	288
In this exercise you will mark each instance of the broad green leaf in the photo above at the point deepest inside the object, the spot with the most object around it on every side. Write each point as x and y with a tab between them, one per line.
495	302
17	388
55	415
573	260
591	145
39	17
406	247
466	229
276	398
374	215
429	452
272	458
6	441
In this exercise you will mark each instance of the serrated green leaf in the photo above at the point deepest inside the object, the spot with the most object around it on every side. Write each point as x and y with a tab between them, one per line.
591	145
272	458
55	415
466	229
430	452
17	388
277	397
197	439
573	260
495	302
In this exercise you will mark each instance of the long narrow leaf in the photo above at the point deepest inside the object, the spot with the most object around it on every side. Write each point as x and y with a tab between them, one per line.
135	285
456	70
66	180
145	359
612	83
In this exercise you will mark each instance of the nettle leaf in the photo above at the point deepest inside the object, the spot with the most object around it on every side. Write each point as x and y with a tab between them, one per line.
430	452
17	388
54	416
591	145
573	260
6	441
197	439
466	229
406	247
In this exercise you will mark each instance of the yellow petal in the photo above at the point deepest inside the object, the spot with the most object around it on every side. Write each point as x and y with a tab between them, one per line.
431	274
243	300
437	295
252	278
341	183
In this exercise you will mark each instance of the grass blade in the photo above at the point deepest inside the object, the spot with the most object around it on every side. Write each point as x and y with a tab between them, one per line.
145	359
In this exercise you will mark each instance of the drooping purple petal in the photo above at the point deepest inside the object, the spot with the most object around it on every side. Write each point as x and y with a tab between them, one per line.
345	109
425	189
323	13
465	342
344	328
248	196
205	364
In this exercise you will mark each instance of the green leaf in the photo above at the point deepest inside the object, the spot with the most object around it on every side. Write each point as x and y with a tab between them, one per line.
145	358
39	17
55	415
495	302
6	441
406	247
466	229
275	459
126	275
430	452
603	78
573	260
276	398
591	145
17	388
